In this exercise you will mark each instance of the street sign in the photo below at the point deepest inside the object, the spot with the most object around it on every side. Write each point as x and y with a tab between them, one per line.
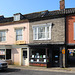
63	51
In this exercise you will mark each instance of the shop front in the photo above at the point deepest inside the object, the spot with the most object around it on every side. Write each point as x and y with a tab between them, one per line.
39	57
20	55
71	56
15	54
5	53
46	55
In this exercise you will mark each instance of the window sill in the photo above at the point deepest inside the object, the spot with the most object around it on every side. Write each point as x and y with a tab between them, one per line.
3	41
41	39
19	40
38	62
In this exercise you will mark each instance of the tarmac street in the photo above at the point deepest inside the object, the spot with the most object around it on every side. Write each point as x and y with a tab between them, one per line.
31	72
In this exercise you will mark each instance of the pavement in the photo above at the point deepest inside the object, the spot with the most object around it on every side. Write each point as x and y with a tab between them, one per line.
52	69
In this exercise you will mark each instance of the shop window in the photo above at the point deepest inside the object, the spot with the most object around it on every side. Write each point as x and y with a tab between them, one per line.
2	57
71	52
42	32
2	54
39	56
8	54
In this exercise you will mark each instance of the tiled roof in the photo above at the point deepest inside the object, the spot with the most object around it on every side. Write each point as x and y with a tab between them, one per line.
41	14
36	14
4	20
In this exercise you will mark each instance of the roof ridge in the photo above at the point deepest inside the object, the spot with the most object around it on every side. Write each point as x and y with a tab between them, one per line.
36	12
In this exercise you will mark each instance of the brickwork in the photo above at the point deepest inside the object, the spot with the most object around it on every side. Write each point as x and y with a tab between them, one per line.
42	65
70	29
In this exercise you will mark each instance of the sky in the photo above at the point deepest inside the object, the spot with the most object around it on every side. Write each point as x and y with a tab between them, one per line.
10	7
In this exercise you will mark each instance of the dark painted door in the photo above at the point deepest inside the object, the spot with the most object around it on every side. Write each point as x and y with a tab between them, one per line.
55	57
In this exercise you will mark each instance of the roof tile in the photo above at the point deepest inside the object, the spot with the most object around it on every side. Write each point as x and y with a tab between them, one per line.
41	14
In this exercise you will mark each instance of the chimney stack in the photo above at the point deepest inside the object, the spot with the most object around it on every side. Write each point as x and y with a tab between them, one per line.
62	4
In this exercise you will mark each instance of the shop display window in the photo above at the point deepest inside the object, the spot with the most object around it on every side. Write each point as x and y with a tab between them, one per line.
72	52
5	55
2	54
2	57
39	56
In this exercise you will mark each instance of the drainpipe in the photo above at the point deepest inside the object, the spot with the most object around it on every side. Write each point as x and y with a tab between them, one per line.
65	44
65	41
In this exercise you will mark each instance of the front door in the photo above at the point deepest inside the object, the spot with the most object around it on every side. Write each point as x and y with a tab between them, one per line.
55	57
25	57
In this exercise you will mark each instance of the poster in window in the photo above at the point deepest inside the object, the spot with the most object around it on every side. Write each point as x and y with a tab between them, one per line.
2	52
71	52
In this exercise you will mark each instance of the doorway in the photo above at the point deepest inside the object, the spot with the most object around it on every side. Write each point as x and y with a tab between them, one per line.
24	57
55	57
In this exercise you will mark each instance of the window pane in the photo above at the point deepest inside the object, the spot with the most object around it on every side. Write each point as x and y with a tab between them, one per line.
35	36
41	33
39	36
19	34
19	38
47	35
25	54
3	39
3	33
35	33
2	36
47	29
41	29
35	30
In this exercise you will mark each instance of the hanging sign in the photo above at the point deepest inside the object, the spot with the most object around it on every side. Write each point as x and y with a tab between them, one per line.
63	51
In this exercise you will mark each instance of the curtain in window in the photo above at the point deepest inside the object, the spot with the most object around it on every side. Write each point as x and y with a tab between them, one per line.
41	32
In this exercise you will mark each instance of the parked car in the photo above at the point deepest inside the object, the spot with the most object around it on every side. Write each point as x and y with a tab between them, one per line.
3	64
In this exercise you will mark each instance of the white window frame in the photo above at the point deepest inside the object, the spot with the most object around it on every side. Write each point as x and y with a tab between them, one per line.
42	25
16	35
17	17
3	36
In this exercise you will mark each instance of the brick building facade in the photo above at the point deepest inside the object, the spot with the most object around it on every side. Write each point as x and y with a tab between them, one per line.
70	32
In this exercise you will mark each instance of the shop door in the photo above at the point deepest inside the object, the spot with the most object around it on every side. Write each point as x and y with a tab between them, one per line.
24	56
55	57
